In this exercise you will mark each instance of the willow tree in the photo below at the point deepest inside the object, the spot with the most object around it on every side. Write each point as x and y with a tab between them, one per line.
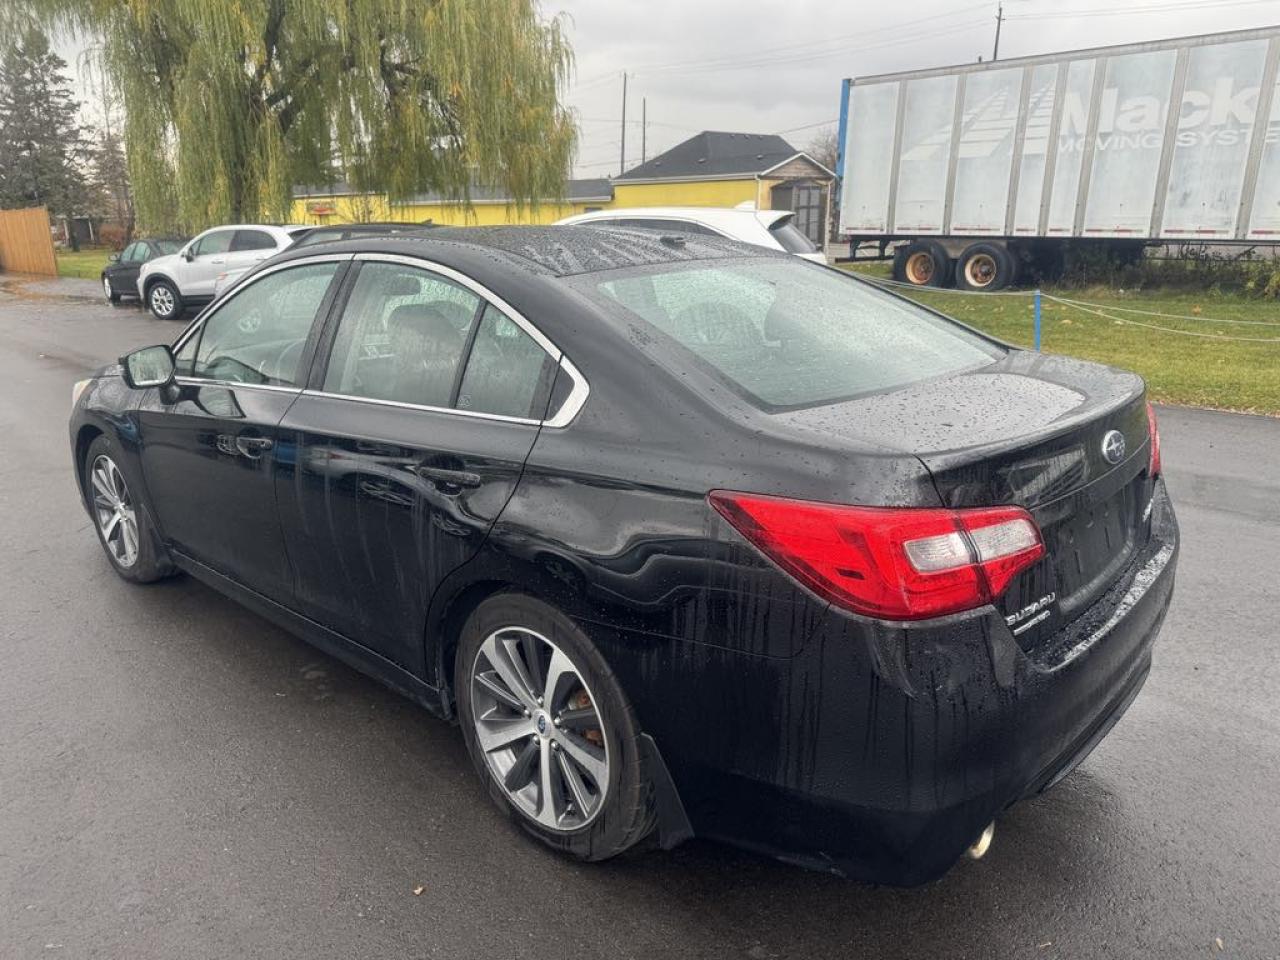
230	103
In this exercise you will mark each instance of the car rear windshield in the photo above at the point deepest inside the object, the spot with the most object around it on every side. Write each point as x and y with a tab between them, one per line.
791	237
786	333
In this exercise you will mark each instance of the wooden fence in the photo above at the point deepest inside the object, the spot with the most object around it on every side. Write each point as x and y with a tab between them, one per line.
26	246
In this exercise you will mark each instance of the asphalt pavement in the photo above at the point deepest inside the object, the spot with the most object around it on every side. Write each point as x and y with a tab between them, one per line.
180	779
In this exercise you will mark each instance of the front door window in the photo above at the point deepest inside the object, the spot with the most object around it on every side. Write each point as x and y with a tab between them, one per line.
258	335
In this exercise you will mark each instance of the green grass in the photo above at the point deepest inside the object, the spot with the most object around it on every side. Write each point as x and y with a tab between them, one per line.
1207	371
87	264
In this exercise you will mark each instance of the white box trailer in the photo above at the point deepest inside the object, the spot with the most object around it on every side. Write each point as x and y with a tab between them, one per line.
984	167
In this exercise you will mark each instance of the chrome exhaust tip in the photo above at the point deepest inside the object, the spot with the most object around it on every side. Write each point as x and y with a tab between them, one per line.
983	843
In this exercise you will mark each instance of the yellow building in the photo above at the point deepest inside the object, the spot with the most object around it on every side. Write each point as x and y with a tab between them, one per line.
711	169
339	203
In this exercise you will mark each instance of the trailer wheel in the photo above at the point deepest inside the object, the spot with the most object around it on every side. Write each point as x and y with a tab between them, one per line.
922	263
985	267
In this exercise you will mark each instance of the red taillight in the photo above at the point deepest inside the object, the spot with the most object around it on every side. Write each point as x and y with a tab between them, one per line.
1153	466
893	563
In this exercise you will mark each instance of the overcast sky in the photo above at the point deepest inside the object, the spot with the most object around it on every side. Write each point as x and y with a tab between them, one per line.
773	67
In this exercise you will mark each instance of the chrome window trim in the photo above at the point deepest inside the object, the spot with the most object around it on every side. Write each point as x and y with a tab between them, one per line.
235	384
568	411
527	421
572	403
481	291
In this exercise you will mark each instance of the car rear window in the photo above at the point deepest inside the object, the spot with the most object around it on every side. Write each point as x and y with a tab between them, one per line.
791	237
168	246
786	333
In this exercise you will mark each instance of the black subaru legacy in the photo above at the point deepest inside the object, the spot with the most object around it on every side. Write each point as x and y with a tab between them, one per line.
688	537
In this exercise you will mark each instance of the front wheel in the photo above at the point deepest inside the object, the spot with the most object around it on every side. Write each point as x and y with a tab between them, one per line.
119	518
550	730
164	300
106	288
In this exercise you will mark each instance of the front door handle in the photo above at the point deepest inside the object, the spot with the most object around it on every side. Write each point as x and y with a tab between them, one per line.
448	478
253	447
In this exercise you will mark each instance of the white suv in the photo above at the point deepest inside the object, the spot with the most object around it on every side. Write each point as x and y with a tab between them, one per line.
168	285
774	229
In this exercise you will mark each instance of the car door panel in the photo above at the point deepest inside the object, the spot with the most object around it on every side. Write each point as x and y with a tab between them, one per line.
382	502
392	487
249	248
219	439
209	259
210	444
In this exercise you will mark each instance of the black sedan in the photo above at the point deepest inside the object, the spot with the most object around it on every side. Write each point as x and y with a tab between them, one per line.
690	538
120	275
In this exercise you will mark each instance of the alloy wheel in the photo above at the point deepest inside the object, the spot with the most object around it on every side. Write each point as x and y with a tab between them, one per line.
162	300
106	287
540	729
114	512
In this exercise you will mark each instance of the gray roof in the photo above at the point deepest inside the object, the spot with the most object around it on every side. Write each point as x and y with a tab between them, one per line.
577	190
713	153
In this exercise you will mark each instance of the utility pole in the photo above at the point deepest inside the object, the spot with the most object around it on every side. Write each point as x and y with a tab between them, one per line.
622	158
644	126
995	54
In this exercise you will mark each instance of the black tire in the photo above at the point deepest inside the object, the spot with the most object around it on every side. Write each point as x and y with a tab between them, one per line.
109	289
168	303
922	263
150	562
986	267
626	812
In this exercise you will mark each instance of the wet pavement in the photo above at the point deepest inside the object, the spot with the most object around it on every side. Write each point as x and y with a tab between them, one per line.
178	778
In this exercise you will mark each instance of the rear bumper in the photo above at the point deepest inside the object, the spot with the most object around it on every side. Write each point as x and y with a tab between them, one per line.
898	745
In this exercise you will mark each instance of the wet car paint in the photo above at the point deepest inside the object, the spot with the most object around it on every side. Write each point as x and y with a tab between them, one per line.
869	749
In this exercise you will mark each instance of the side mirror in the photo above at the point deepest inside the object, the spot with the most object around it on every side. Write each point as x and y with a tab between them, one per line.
149	367
114	258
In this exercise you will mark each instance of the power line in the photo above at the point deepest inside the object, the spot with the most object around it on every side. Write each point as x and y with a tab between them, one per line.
784	49
808	58
1126	11
807	126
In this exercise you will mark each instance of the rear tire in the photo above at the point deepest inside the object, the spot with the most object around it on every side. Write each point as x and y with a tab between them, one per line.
985	267
120	517
549	729
922	263
164	300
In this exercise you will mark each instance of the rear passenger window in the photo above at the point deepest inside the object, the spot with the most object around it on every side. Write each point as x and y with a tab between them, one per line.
507	373
252	240
401	337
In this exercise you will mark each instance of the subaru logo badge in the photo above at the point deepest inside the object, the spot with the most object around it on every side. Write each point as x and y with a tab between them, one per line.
1113	446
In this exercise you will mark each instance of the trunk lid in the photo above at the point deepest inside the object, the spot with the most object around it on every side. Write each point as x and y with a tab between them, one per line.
1028	430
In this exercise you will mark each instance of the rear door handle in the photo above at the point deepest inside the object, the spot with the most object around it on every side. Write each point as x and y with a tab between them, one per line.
253	447
448	478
